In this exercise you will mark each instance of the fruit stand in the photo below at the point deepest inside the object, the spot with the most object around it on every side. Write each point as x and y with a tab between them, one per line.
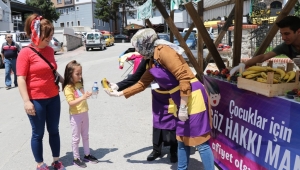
252	131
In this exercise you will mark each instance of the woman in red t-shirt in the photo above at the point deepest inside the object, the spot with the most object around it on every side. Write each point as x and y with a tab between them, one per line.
38	89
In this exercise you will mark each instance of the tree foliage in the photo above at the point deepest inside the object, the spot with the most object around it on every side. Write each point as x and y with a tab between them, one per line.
104	10
107	10
47	8
297	9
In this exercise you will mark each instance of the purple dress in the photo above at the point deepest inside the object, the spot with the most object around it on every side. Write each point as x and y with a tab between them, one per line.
198	122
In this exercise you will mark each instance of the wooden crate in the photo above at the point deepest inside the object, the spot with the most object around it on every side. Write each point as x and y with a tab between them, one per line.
269	90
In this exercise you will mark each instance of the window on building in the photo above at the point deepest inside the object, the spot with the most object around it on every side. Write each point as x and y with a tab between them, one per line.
67	2
77	8
67	10
77	0
62	24
78	23
59	1
103	23
68	24
72	24
61	11
99	21
71	9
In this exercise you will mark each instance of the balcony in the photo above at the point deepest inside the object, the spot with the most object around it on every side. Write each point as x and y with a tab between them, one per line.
68	2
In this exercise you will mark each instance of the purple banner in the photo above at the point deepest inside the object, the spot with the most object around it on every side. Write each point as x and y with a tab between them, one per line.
251	131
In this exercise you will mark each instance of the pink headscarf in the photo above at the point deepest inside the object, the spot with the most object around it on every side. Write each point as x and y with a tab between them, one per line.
36	30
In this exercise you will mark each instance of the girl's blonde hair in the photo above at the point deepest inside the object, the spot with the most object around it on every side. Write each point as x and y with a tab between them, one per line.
69	72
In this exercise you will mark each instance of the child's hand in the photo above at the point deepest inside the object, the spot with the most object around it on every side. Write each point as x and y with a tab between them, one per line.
87	94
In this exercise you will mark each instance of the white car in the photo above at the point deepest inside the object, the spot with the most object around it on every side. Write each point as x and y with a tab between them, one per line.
94	40
19	37
55	44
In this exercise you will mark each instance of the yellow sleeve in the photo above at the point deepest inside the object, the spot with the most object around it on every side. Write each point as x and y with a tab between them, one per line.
69	93
175	63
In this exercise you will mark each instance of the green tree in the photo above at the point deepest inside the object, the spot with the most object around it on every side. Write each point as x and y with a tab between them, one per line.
47	8
107	10
297	9
104	11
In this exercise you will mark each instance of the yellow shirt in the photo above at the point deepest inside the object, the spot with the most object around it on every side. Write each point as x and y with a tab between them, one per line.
71	94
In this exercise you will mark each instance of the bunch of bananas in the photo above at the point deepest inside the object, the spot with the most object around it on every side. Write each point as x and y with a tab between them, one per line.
259	73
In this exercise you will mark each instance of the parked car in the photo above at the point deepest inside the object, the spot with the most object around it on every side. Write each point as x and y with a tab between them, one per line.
55	44
164	36
109	39
191	41
94	40
121	37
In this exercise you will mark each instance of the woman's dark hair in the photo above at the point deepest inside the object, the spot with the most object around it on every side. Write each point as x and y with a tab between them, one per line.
212	87
292	22
46	27
69	72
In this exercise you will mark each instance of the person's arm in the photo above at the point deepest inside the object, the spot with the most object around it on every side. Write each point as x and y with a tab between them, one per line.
257	59
260	58
141	85
174	62
134	78
2	55
72	101
28	106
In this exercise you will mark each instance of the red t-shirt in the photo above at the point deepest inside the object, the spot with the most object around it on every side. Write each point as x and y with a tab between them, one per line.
39	76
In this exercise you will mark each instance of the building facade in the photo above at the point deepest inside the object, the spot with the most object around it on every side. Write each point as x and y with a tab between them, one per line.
182	18
79	13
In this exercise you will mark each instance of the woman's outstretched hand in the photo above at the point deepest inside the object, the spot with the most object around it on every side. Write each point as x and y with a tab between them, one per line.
113	86
113	93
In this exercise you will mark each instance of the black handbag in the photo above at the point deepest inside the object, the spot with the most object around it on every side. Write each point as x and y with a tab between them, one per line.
56	76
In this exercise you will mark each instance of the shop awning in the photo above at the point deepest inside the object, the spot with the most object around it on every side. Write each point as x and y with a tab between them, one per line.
133	27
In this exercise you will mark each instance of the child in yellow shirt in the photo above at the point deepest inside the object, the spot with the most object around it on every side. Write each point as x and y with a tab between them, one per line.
79	120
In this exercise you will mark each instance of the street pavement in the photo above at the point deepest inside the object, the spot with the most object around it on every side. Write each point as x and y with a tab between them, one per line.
120	129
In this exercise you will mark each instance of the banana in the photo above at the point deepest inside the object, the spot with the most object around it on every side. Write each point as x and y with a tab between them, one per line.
250	76
286	77
105	84
245	73
276	81
281	72
292	75
257	68
262	80
264	75
270	69
276	76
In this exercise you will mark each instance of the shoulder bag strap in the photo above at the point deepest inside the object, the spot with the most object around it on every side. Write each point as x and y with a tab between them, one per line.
38	53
